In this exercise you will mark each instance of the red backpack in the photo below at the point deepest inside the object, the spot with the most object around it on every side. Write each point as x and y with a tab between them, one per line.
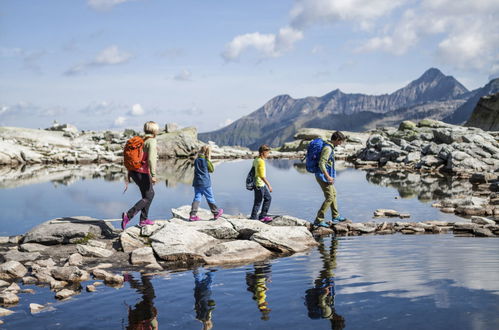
133	153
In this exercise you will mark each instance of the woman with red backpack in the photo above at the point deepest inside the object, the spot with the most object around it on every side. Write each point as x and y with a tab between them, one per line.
141	155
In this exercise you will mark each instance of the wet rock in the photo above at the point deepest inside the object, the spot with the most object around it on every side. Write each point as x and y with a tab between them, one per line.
361	228
142	256
57	285
12	270
412	230
176	242
5	312
91	288
14	255
70	274
483	232
404	215
322	231
32	247
482	221
219	229
65	230
65	294
285	239
14	288
233	252
8	298
340	229
35	308
87	250
108	277
469	227
75	259
386	213
27	280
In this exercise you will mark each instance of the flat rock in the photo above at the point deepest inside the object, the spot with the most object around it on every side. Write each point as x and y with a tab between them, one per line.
65	293
95	243
149	230
236	252
108	277
5	312
27	280
48	263
35	308
219	229
32	247
465	227
70	274
131	239
285	239
483	232
57	285
176	242
360	227
92	251
65	230
75	259
142	256
386	213
246	228
14	255
8	298
91	288
482	220
12	270
4	239
183	213
286	220
4	283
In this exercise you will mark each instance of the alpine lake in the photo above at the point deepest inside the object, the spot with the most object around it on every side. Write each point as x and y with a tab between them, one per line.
395	281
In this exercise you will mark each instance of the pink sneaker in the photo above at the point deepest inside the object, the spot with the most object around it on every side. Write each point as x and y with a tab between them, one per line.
194	218
266	219
219	214
145	222
124	220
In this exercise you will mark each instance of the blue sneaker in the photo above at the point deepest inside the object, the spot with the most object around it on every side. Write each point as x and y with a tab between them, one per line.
338	219
321	224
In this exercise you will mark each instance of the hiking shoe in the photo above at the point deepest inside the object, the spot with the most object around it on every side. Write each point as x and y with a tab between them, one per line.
321	224
194	218
124	220
266	219
339	219
219	214
145	222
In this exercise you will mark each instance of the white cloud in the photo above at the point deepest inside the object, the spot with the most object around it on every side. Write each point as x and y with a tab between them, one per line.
137	110
111	55
104	4
267	45
120	121
184	75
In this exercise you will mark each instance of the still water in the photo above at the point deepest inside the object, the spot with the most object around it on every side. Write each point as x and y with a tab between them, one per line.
369	282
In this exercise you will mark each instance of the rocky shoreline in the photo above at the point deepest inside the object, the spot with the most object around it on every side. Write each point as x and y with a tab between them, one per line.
63	253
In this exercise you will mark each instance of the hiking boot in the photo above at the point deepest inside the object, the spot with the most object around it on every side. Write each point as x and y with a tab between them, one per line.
194	218
338	219
145	222
266	219
124	220
219	214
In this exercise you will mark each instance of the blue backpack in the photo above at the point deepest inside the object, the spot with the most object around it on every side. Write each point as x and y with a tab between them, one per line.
314	154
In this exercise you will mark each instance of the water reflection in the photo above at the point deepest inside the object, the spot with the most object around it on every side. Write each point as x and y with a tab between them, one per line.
204	304
424	186
320	299
256	282
143	315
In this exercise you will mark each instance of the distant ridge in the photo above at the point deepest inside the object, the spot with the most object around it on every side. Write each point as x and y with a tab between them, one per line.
433	95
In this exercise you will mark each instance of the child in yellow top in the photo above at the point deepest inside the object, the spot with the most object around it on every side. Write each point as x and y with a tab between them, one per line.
262	186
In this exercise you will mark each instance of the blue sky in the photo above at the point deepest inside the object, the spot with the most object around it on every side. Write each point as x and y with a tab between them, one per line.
111	64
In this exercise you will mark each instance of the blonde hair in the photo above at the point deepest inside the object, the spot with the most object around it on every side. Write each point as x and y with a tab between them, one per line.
206	151
151	127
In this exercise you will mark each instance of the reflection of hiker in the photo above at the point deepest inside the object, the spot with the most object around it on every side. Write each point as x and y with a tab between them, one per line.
202	184
325	177
204	305
257	284
144	314
261	184
320	298
142	171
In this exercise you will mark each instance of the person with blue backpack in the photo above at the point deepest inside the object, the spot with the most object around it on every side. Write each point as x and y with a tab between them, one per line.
262	187
320	161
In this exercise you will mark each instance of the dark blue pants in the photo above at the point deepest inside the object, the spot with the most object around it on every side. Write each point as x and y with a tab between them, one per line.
261	194
142	180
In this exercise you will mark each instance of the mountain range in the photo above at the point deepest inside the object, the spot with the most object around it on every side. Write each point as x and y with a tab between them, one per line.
433	95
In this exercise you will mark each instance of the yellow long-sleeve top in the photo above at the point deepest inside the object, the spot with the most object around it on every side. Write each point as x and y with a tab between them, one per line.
259	165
